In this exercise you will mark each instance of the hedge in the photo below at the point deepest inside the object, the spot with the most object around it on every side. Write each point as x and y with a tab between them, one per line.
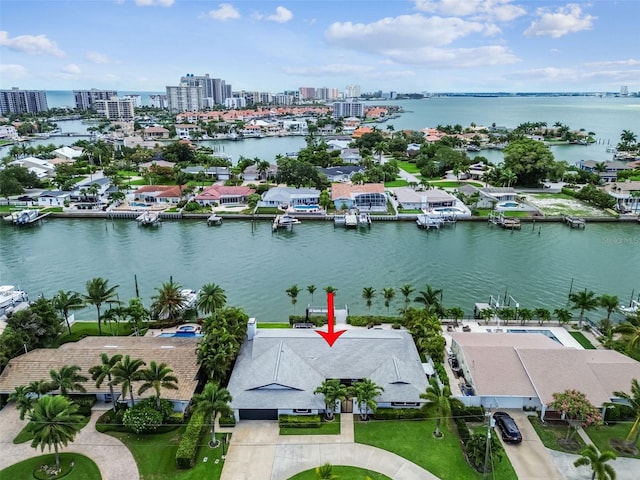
442	373
299	421
189	444
317	320
399	413
463	430
84	403
365	320
229	421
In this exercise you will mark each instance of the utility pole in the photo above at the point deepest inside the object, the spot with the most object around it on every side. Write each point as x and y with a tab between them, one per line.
487	454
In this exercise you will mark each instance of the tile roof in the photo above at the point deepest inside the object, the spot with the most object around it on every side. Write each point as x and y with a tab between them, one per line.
349	190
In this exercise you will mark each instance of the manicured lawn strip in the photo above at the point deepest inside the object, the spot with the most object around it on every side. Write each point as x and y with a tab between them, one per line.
87	329
445	184
550	434
140	181
560	196
413	440
84	468
396	183
273	325
269	211
326	428
582	340
155	456
128	173
342	472
410	210
408	167
601	436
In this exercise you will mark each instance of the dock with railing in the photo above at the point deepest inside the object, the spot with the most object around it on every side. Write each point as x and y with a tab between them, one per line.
574	222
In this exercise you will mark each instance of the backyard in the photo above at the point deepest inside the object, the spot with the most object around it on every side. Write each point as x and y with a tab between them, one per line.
558	204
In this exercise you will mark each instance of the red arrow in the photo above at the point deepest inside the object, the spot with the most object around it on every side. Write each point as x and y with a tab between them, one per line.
330	336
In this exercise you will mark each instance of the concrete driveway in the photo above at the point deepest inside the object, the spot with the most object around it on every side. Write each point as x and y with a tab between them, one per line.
530	459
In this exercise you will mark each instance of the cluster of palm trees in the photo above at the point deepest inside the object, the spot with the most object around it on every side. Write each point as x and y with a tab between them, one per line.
365	391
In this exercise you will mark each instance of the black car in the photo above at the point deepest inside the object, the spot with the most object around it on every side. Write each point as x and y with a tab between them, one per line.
508	428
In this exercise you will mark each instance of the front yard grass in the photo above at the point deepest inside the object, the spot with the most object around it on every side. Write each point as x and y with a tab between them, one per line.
326	428
552	434
84	468
398	182
413	440
342	472
90	329
602	436
408	167
582	340
155	456
273	325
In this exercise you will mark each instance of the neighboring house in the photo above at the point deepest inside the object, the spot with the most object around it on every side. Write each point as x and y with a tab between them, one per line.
156	133
610	174
476	172
66	154
277	371
220	173
342	173
251	173
351	156
102	183
410	199
627	195
156	163
289	196
53	198
184	130
370	196
8	131
490	196
178	353
532	367
158	194
38	166
413	149
223	195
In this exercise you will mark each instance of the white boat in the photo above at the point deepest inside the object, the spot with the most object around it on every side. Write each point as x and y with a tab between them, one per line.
25	217
284	221
634	307
190	297
10	296
364	220
149	218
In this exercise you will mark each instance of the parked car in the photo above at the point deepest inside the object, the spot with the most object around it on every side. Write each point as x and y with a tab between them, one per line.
508	428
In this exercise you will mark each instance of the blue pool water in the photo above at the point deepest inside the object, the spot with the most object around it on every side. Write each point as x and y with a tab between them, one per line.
508	204
139	204
304	208
181	334
448	209
547	333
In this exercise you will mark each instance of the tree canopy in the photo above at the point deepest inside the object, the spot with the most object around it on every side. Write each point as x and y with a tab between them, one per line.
529	160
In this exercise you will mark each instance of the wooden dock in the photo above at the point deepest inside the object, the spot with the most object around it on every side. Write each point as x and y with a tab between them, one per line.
574	222
214	220
508	223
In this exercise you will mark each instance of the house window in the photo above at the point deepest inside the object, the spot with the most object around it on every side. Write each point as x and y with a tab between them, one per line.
404	404
301	410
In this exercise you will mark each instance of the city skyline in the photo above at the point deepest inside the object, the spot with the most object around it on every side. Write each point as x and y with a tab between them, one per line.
405	46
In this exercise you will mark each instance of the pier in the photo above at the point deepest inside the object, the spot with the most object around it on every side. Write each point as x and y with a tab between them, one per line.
350	220
214	220
26	217
574	222
149	218
508	223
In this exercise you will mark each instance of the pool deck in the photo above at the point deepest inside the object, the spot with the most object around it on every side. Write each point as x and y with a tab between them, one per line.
154	332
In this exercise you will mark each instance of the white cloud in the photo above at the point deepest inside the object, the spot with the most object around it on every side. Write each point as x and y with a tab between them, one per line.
12	71
96	57
565	20
152	3
331	69
497	10
622	63
455	57
225	12
282	15
71	69
30	44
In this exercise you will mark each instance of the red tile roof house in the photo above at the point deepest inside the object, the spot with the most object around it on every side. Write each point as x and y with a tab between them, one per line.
224	195
370	197
159	194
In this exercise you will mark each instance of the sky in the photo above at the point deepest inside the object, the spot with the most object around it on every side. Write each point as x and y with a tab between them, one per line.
392	45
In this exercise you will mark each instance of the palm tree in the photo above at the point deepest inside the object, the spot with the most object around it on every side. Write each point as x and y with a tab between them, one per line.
103	371
366	392
24	401
125	373
325	472
67	379
431	299
54	422
438	397
213	400
609	303
456	313
563	315
585	301
39	387
332	390
212	297
311	289
600	470
633	401
157	376
542	314
631	334
525	315
388	294
368	293
169	303
330	289
406	290
293	292
64	302
508	178
99	292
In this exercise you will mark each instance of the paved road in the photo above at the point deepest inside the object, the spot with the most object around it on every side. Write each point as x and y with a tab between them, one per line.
113	459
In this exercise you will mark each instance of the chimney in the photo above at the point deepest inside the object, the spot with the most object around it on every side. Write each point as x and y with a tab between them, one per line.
252	328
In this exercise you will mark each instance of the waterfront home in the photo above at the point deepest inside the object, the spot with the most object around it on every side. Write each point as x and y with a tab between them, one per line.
223	195
532	367
136	141
488	197
475	171
184	130
9	132
351	156
53	198
66	155
158	162
360	131
156	133
611	169
39	167
410	199
178	353
251	173
277	371
413	149
342	173
220	173
159	194
627	195
370	196
288	196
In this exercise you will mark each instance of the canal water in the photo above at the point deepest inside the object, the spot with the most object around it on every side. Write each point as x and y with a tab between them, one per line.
537	266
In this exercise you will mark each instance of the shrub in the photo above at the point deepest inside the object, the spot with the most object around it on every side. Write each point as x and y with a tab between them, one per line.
188	448
166	407
317	320
399	413
442	373
227	421
84	403
142	419
299	421
470	414
364	320
463	430
192	206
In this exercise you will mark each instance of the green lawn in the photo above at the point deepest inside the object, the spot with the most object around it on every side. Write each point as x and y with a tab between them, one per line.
344	473
155	456
601	436
273	325
52	210
326	428
413	440
26	436
410	210
552	434
484	212
582	340
399	182
128	173
87	329
140	181
84	468
408	167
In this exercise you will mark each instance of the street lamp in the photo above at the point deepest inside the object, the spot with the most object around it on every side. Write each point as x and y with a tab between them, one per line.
487	454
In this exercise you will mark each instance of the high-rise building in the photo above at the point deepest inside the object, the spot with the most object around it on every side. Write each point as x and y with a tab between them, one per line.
307	93
23	101
135	99
215	89
348	109
352	91
86	98
185	98
158	101
624	90
115	108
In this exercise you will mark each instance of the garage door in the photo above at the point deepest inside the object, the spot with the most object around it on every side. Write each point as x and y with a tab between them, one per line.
258	414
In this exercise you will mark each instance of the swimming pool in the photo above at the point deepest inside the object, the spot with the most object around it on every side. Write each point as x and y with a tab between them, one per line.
448	210
139	204
181	335
307	208
508	205
547	333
